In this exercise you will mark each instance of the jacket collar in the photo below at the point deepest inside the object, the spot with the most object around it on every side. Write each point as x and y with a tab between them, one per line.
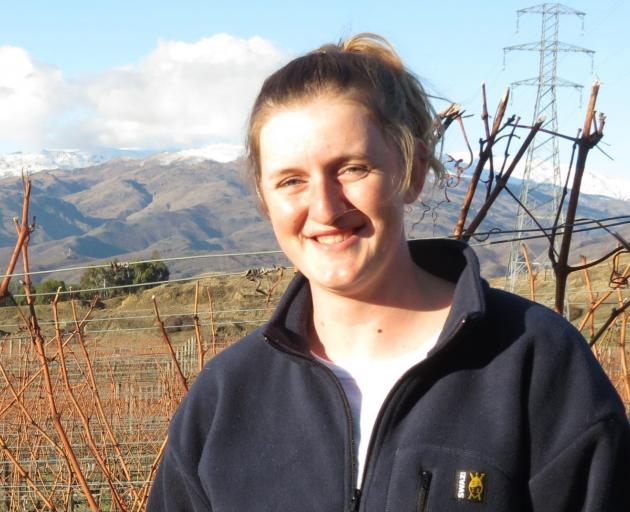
452	260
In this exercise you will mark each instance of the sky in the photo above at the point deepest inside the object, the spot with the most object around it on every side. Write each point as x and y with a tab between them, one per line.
176	75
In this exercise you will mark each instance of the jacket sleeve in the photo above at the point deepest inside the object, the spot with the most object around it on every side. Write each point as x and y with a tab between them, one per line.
579	432
177	486
176	489
592	473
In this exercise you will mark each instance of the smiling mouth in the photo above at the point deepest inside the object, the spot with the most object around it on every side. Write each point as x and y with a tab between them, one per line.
334	238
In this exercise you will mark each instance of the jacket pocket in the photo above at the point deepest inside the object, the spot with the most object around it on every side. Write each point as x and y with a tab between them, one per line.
423	492
430	478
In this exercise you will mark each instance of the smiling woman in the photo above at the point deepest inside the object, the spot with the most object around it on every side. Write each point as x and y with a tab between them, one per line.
391	377
329	185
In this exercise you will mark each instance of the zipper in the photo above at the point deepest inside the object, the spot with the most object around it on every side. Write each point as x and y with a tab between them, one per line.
388	399
355	493
356	500
423	493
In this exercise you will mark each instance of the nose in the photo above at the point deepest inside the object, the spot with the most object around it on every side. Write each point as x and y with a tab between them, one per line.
327	201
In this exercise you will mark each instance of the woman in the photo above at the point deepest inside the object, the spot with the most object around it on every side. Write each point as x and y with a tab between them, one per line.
390	377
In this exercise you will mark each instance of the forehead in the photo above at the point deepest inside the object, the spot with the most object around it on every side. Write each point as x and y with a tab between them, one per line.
316	129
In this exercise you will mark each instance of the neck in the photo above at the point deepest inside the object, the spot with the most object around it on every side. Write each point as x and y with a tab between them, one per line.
396	317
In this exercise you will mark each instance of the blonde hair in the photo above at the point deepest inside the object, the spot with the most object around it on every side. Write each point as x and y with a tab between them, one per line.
364	68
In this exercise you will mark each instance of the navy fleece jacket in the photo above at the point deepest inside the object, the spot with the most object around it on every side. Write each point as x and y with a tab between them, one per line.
509	412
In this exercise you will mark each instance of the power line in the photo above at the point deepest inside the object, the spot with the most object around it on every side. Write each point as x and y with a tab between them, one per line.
578	222
157	260
533	237
171	327
134	285
143	317
543	153
251	253
493	232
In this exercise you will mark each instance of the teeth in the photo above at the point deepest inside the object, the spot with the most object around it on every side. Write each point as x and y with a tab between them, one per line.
332	239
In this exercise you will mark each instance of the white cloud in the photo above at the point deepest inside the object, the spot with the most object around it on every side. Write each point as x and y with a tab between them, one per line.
181	94
30	96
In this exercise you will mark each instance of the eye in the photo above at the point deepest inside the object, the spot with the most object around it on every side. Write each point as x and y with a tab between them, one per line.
354	171
291	181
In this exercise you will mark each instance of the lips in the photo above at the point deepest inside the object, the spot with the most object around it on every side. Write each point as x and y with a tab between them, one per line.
333	239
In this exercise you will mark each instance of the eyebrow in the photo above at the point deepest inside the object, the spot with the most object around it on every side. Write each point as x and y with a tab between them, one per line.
279	173
341	159
364	158
334	162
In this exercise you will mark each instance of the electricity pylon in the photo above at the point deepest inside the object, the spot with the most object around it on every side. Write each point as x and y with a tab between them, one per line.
542	159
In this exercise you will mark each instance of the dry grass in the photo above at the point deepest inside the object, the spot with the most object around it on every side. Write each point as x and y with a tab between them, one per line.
137	385
116	421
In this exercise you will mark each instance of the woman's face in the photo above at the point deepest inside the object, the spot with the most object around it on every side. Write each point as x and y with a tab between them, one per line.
329	181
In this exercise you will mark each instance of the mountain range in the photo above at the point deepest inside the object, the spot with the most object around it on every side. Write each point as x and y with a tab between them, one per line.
12	164
184	204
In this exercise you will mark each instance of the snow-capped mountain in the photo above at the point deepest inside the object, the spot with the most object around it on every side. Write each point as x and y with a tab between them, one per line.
593	183
218	152
12	164
608	186
129	208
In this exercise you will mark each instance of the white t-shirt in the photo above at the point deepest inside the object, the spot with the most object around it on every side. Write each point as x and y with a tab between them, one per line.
366	385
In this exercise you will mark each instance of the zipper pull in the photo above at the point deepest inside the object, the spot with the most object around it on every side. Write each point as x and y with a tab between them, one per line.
423	494
356	500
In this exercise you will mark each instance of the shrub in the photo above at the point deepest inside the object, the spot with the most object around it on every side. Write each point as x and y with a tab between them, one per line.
150	273
118	274
51	286
15	288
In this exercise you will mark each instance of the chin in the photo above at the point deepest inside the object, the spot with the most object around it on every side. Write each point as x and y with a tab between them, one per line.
337	280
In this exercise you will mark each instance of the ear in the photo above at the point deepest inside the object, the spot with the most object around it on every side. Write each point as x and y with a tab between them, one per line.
419	168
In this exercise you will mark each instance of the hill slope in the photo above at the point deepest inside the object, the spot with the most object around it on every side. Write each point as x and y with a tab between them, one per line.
129	208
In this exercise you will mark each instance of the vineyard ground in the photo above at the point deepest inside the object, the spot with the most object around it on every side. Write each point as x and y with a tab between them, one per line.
137	381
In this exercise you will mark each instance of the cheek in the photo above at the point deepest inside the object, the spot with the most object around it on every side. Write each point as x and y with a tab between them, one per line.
381	199
391	215
285	214
387	209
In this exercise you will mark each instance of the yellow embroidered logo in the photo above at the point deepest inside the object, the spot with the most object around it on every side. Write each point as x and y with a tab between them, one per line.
475	486
470	485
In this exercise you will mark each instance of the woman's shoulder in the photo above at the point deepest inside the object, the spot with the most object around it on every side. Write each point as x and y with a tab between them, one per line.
547	342
533	318
242	356
555	355
236	369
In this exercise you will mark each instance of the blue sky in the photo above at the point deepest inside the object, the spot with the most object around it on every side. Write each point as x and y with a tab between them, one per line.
183	74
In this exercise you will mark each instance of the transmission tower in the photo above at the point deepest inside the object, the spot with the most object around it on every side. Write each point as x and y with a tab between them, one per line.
542	160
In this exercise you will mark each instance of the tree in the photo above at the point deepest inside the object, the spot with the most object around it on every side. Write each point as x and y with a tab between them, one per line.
117	274
50	286
15	288
122	274
150	273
